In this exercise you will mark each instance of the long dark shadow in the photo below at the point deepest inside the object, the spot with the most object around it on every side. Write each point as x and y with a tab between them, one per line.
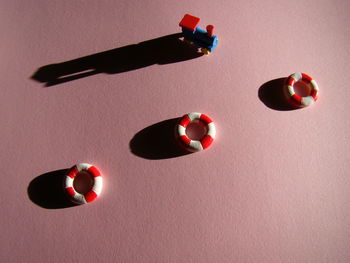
271	94
157	141
163	50
47	191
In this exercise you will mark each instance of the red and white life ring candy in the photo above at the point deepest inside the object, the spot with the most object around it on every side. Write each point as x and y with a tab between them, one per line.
298	100
195	145
94	192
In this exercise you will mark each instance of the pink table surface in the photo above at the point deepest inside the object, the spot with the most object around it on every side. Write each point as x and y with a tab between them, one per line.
274	186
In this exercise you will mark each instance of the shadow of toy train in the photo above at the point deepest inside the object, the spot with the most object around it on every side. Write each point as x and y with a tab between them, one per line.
163	50
47	190
157	141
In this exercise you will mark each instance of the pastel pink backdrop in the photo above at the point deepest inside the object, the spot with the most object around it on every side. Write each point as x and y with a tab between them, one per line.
274	186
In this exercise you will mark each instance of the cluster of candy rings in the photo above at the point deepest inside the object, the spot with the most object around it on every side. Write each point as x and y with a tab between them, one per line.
96	189
184	140
297	100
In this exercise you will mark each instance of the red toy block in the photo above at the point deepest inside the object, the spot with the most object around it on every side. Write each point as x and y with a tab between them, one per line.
189	22
210	30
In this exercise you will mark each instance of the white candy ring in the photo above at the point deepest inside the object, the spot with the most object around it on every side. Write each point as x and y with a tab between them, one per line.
195	145
93	193
298	100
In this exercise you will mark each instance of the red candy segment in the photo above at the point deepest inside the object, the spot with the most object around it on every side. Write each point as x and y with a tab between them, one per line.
90	196
93	171
206	141
70	191
185	139
185	121
206	119
73	172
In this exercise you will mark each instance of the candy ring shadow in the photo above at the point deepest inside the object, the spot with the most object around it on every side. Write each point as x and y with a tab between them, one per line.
47	191
157	141
271	94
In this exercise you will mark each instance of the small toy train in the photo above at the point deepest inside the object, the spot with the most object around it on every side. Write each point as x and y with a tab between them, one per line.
205	40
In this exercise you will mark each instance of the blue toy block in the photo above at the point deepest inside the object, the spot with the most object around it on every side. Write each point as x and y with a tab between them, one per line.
188	34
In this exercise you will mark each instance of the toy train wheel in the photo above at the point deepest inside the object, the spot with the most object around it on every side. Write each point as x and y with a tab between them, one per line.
188	42
205	51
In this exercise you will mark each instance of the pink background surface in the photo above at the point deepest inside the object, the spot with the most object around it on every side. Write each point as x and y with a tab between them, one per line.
274	186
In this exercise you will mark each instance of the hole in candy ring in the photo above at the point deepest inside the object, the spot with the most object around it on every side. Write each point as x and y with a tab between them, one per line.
83	182
302	89
196	130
